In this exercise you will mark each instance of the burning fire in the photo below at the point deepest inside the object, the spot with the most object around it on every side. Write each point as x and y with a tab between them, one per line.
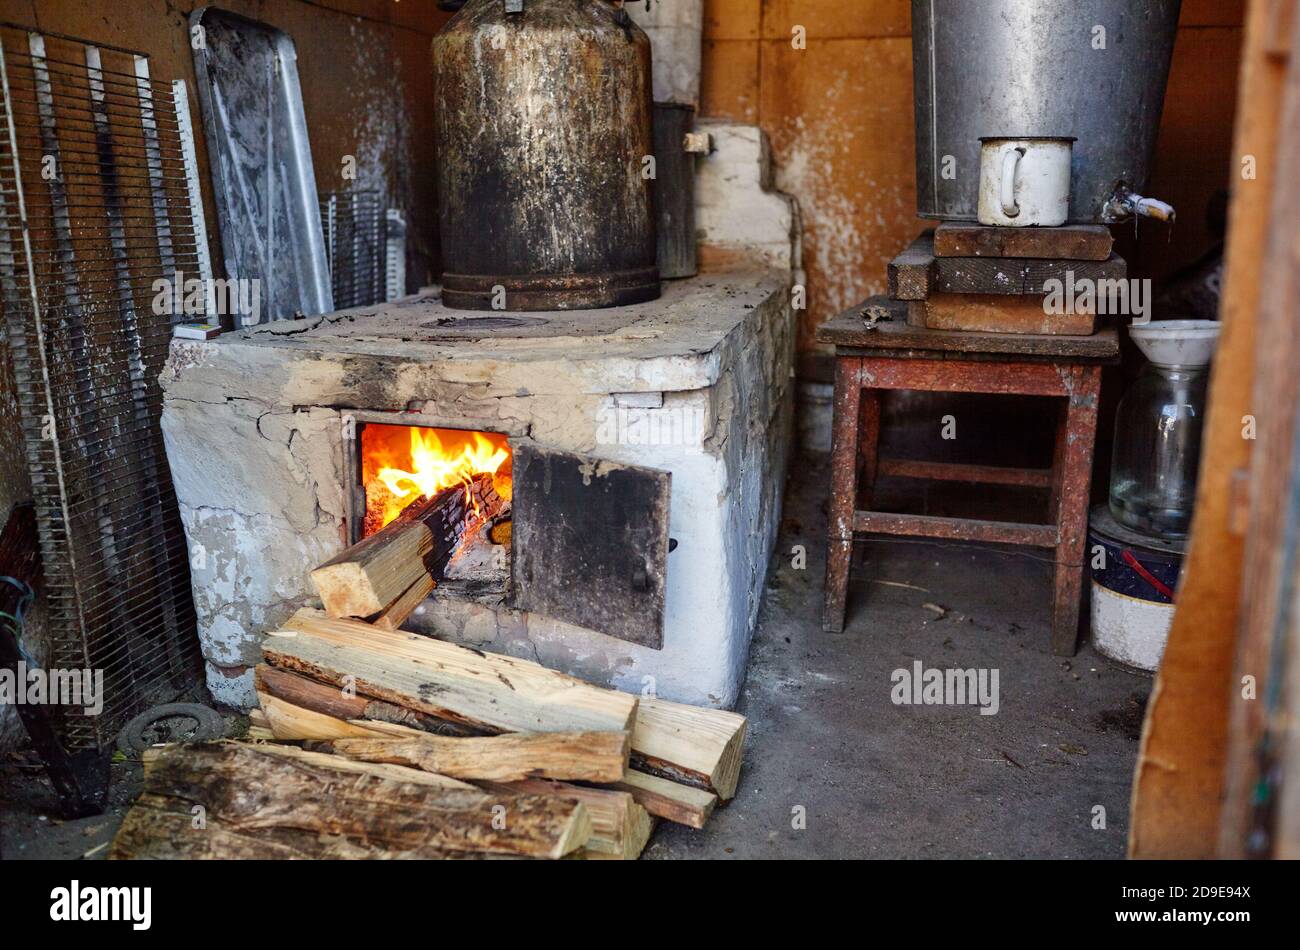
403	464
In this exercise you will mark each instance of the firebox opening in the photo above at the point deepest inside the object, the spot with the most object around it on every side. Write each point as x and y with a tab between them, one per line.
402	464
398	466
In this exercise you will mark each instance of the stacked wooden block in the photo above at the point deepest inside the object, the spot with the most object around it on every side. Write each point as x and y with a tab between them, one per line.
379	743
998	280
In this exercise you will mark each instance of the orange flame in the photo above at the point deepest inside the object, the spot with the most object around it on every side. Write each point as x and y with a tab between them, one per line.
399	469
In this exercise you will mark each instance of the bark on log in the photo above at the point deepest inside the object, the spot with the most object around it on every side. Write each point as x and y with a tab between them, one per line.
620	827
693	745
273	802
670	801
332	701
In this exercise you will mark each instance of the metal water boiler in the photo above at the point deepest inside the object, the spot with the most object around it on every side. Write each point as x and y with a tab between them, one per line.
1092	69
545	142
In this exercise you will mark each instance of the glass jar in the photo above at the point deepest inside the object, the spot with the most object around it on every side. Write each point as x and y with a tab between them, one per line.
1158	428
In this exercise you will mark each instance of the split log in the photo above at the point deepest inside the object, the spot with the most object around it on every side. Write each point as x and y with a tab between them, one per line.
259	728
333	701
670	801
689	744
394	615
272	802
291	754
620	827
373	573
482	690
662	798
290	723
570	756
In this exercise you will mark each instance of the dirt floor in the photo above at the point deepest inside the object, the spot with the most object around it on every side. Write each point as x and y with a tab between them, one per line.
833	768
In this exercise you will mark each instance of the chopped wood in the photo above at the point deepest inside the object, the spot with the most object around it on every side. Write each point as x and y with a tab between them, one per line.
689	744
266	802
662	798
395	614
512	757
483	690
258	726
290	723
339	764
333	701
376	571
620	827
911	272
671	801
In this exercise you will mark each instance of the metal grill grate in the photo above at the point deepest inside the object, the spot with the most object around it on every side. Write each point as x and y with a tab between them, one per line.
366	247
98	201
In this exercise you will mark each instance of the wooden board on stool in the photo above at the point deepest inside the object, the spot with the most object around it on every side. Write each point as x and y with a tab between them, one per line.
1002	313
917	273
1081	242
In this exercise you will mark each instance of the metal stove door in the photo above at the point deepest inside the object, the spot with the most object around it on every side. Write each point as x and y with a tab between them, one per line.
590	542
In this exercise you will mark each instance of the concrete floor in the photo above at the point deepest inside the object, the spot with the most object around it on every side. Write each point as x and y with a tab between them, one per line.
870	779
876	780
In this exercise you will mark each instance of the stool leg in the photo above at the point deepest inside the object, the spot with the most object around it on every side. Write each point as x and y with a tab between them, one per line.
844	472
1072	478
868	444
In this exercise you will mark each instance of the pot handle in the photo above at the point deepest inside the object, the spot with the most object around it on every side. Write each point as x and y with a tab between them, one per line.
1010	165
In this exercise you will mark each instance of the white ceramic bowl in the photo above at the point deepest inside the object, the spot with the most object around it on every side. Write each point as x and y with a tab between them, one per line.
1177	342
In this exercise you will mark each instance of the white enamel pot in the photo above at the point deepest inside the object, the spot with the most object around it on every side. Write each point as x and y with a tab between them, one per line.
1025	182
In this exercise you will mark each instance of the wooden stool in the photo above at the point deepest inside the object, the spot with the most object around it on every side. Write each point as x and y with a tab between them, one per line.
894	355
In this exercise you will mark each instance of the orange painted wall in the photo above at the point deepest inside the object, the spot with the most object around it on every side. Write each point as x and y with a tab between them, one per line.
839	114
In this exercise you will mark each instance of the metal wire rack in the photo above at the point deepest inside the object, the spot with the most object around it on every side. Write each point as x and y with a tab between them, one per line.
366	247
100	218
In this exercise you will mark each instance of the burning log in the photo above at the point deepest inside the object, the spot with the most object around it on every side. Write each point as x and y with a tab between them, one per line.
369	576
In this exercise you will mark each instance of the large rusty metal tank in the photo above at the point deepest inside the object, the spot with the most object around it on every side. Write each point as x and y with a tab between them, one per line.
545	128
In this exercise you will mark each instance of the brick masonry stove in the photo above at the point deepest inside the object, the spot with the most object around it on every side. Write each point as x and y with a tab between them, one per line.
677	410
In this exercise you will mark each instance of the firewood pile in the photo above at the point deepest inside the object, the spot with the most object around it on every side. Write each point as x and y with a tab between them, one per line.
372	742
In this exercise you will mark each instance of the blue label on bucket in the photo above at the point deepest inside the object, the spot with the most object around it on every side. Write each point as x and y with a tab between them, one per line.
1133	571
